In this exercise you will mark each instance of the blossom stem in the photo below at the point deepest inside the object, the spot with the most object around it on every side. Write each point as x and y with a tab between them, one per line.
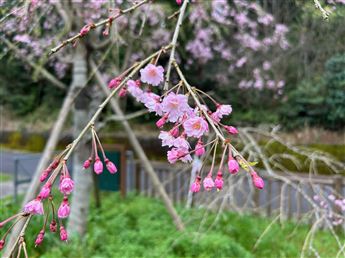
99	144
223	157
207	95
72	39
213	158
174	42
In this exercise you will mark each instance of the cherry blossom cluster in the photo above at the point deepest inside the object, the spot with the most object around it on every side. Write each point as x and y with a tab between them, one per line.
58	169
328	204
182	124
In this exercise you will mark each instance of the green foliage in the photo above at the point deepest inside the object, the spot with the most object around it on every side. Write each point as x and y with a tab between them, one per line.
5	177
318	103
21	93
35	143
14	140
140	227
335	92
305	105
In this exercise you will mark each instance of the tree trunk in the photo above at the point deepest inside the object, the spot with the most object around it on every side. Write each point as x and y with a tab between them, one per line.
141	154
83	181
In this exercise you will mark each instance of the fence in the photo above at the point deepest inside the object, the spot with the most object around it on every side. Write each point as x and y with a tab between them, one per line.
290	195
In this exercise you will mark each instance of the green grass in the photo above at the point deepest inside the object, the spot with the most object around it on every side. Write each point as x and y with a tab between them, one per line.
140	227
4	177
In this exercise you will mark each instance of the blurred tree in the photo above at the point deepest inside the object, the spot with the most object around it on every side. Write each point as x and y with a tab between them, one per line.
335	92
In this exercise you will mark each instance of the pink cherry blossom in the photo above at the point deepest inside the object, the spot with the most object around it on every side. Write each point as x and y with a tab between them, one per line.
231	129
233	166
181	142
45	191
87	163
152	102
110	166
63	234
195	187
195	127
179	154
175	131
152	74
66	185
208	183
222	110
175	105
167	138
123	92
39	238
52	226
98	166
161	122
34	207
199	148
114	83
257	180
134	90
218	182
64	209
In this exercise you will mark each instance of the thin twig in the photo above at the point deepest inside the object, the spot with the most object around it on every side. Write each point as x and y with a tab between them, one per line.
71	40
324	13
174	42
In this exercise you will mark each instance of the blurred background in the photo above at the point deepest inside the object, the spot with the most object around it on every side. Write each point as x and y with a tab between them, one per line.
280	65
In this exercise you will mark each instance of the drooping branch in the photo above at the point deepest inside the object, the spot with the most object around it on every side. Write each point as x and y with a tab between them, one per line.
109	20
141	154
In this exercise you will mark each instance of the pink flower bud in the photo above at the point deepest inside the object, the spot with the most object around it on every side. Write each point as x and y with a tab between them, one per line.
199	148
45	191
160	123
195	187
138	83
219	181
231	129
179	2
175	131
66	185
53	226
64	209
114	83
54	164
39	238
257	180
34	207
85	30
45	174
98	166
123	92
87	163
208	183
110	166
63	234
2	244
233	166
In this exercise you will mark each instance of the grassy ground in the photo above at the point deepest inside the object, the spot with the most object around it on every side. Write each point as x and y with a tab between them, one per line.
140	227
4	177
